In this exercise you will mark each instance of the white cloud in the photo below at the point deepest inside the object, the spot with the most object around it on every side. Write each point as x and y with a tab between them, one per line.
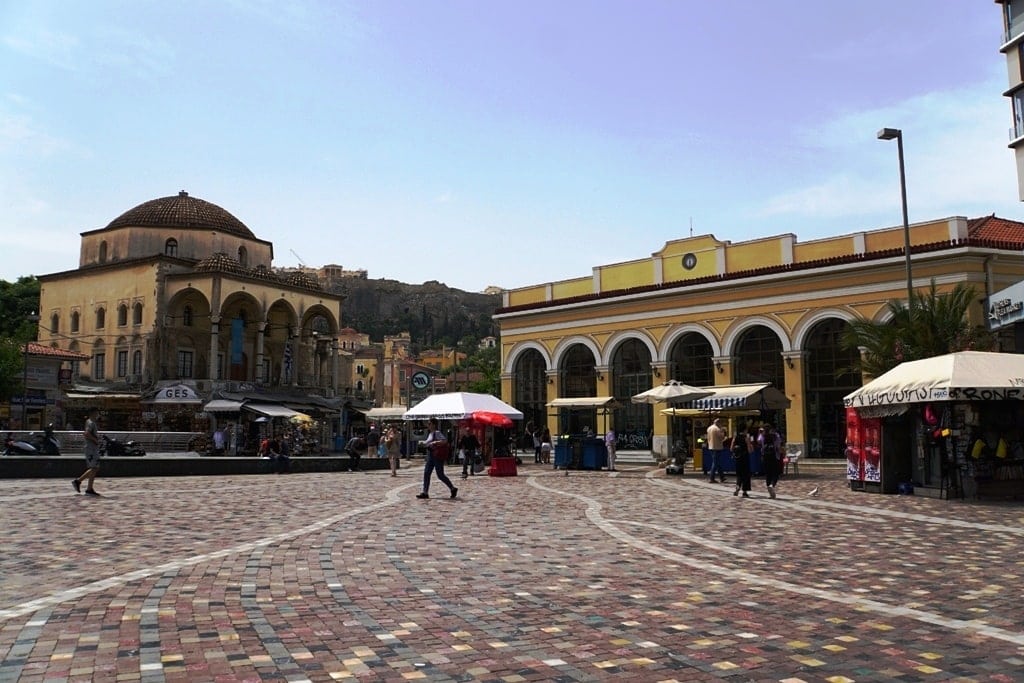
19	134
52	47
955	154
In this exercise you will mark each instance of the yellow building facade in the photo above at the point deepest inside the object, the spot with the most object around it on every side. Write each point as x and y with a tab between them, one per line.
178	289
711	312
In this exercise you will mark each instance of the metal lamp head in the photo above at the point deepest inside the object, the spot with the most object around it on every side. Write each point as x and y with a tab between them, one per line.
889	133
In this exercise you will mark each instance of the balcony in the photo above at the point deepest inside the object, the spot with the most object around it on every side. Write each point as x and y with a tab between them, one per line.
1012	34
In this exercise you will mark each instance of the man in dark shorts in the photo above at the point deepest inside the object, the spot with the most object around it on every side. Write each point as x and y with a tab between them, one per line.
92	454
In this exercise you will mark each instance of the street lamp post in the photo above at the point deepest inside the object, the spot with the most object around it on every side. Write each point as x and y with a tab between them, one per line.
897	134
32	318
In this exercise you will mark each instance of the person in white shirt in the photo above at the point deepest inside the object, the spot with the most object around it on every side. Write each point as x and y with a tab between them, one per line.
609	442
716	443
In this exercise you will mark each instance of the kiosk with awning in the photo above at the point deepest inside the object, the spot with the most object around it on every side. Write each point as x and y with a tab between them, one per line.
578	445
728	401
947	426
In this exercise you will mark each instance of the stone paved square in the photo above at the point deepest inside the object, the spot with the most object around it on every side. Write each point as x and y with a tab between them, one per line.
541	577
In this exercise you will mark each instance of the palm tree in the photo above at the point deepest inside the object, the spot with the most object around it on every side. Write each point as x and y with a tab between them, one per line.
935	324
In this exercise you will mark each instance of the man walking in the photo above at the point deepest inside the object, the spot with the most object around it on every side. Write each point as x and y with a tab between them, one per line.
716	442
468	445
92	454
437	452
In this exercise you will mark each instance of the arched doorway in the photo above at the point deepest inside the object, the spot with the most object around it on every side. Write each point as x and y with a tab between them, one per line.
530	389
759	359
578	379
829	375
631	374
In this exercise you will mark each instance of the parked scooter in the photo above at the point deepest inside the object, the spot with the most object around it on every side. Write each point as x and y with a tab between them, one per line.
118	449
12	447
46	443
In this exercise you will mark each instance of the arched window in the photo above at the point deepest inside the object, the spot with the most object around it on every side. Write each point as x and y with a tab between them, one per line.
101	318
122	315
243	257
103	251
631	374
99	360
186	316
75	320
54	324
171	247
691	361
529	386
137	314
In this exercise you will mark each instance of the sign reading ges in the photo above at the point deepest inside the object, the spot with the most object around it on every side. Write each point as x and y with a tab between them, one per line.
177	393
420	380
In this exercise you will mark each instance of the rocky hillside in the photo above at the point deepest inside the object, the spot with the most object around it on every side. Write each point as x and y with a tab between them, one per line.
433	313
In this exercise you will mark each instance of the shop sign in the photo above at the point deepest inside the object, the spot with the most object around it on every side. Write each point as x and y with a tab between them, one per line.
41	376
1006	306
32	400
178	393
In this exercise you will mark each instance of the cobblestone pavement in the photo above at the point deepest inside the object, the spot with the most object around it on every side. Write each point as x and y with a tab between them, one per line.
541	577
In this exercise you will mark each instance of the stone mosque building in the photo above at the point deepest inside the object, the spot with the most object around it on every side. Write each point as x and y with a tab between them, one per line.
177	294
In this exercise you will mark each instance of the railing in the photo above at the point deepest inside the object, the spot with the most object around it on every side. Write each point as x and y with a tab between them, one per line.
72	442
1017	130
1015	29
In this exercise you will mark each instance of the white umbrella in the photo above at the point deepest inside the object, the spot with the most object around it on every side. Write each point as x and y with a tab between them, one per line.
671	391
459	405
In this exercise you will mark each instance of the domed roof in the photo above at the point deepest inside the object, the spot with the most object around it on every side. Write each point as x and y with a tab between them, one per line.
300	279
220	262
181	211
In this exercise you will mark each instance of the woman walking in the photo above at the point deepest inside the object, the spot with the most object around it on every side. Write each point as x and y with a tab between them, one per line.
770	458
742	447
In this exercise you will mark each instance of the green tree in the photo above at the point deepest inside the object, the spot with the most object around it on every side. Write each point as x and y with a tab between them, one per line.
18	300
934	324
11	364
488	363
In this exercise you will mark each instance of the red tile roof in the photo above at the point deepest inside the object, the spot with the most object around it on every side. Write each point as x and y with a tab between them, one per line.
37	349
996	229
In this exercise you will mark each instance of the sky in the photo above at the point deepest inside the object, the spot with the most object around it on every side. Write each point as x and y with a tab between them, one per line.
505	143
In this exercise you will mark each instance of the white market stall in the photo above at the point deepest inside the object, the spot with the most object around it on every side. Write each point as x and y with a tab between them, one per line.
478	412
578	445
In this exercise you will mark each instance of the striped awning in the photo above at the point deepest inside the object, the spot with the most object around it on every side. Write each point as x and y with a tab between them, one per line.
221	405
761	396
270	410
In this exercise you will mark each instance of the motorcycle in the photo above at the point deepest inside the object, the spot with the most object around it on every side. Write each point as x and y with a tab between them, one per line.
118	449
12	447
46	443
